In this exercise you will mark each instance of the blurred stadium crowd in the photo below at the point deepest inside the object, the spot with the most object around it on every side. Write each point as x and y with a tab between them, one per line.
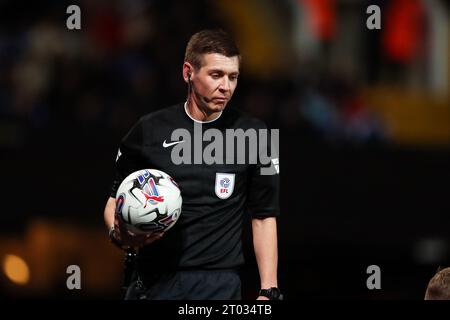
364	118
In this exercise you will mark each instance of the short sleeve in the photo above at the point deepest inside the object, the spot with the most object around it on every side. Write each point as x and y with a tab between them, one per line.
129	156
264	181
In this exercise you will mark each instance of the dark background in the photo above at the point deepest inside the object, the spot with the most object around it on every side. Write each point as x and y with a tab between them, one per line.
364	124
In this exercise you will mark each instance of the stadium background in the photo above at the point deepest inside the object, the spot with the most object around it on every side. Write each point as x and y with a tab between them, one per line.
364	117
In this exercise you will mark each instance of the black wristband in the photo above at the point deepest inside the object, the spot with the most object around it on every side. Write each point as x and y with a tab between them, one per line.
116	241
272	293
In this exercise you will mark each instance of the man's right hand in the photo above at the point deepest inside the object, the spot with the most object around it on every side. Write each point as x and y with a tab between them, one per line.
126	238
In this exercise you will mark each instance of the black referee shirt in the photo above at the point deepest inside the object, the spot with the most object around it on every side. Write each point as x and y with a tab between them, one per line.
208	232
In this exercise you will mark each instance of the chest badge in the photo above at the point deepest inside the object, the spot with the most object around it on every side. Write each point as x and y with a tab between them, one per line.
224	185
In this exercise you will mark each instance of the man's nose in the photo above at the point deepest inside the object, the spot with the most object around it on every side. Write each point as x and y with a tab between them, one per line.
225	85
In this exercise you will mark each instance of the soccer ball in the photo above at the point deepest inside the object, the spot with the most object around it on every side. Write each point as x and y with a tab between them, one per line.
148	200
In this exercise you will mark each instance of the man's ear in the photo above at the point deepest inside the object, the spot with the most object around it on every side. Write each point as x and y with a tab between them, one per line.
187	71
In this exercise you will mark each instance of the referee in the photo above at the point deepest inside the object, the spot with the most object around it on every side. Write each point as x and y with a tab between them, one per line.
199	258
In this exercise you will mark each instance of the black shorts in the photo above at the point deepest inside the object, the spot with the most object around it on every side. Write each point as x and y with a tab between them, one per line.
187	285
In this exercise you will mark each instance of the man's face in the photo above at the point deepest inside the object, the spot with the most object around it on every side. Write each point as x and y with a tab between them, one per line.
214	83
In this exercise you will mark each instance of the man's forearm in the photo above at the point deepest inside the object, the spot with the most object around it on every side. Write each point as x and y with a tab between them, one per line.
266	250
109	212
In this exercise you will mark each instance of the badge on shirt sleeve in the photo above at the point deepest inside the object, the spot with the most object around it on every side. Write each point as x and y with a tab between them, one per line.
224	185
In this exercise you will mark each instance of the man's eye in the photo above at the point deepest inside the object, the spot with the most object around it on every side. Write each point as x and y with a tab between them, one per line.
233	78
215	76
